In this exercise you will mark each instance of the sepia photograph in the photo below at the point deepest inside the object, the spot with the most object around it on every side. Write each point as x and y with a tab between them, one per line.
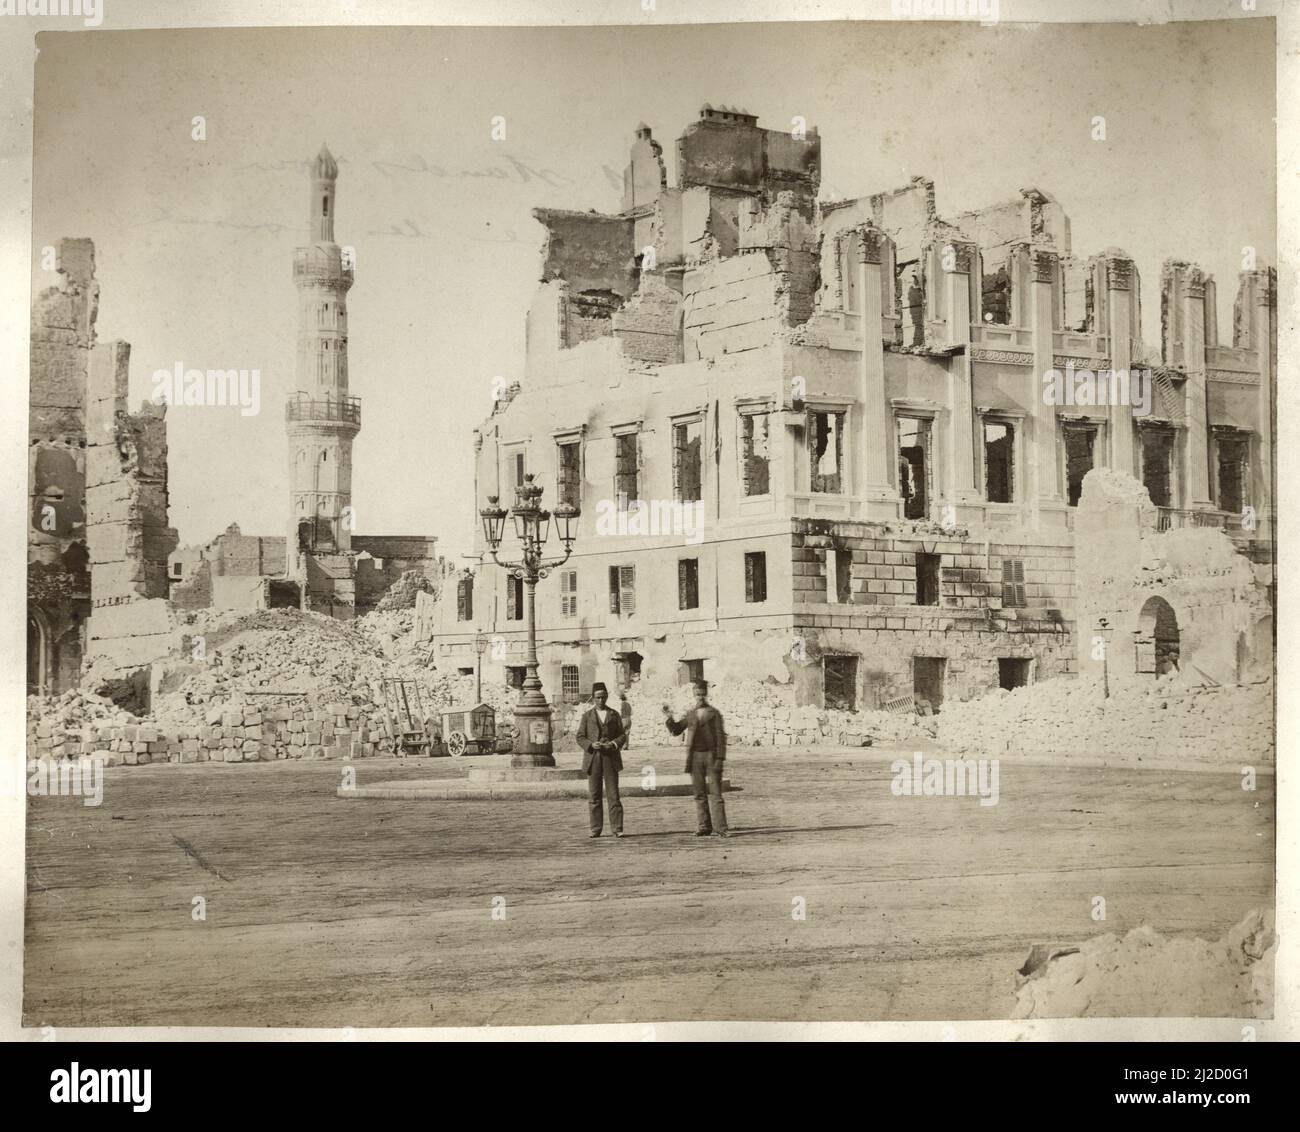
639	523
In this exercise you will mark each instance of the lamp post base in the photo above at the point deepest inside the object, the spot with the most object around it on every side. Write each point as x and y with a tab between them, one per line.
532	734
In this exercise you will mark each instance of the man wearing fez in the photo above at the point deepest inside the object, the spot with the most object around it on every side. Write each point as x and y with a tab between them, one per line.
706	751
601	737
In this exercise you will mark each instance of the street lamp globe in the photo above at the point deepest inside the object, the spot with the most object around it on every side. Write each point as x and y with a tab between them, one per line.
494	522
566	523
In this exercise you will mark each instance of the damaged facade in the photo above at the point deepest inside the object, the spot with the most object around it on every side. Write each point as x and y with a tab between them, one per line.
837	411
105	578
98	538
321	564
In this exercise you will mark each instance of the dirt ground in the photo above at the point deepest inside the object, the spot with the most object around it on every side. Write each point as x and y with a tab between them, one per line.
327	912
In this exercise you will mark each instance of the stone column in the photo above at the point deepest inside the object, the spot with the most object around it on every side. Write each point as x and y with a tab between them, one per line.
960	488
1044	266
1121	300
1196	450
879	496
1263	323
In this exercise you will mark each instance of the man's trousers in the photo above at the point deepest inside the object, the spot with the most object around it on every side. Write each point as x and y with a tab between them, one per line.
706	778
602	783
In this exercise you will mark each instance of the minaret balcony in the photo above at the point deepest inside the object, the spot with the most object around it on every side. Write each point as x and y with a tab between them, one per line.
321	263
340	410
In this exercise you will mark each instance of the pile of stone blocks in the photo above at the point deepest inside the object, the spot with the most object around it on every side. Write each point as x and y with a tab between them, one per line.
231	733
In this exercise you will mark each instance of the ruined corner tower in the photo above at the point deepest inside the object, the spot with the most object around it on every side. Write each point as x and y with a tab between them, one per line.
321	418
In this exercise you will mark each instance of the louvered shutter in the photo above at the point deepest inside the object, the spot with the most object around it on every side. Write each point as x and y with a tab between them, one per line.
628	590
569	593
511	611
1013	582
613	589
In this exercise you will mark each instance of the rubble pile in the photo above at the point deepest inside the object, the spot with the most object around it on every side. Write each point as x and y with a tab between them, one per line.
1202	725
1144	975
278	651
401	594
273	684
761	714
66	726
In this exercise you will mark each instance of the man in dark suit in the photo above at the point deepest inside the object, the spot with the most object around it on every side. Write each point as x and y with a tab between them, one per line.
706	752
601	737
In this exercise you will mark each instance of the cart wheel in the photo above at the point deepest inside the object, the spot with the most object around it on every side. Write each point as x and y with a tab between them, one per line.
456	744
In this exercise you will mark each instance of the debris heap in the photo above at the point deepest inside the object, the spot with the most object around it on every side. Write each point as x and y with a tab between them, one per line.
1145	975
1193	725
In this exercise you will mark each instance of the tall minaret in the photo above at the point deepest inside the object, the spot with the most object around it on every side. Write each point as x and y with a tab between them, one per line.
321	418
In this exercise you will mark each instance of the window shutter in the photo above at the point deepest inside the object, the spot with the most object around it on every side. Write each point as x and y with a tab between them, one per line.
511	612
1013	582
569	593
679	454
613	590
627	589
760	577
683	594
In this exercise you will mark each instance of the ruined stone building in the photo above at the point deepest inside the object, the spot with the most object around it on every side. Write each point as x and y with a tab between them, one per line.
320	564
852	398
98	538
104	575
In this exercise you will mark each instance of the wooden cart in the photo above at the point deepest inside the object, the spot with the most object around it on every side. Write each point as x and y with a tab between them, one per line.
404	715
470	729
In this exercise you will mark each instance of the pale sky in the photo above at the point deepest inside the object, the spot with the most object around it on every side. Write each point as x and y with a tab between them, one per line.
194	240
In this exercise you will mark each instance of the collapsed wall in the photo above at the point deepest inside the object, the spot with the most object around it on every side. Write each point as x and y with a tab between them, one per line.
131	623
1152	600
58	575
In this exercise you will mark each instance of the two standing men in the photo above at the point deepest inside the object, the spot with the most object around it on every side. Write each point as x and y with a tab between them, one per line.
602	737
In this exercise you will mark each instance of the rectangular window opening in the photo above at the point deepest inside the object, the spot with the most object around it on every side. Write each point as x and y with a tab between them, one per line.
569	485
999	461
843	560
626	477
840	683
688	469
1157	464
1013	672
569	692
756	453
622	590
1079	445
755	576
826	451
914	466
688	583
927	579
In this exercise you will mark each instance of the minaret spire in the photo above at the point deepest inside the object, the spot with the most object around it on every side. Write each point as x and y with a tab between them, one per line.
325	173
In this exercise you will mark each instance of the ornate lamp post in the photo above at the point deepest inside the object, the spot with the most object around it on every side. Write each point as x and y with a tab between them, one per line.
1104	630
480	647
532	526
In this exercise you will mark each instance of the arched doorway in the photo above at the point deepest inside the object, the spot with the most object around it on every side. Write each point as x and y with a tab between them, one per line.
1157	638
38	655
